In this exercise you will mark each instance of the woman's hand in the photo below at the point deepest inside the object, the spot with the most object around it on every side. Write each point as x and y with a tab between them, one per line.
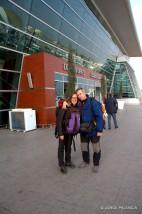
65	105
61	137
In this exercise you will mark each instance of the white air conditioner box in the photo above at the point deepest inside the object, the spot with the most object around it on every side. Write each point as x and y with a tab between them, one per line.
22	119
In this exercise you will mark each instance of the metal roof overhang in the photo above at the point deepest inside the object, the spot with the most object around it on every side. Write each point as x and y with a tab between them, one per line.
116	16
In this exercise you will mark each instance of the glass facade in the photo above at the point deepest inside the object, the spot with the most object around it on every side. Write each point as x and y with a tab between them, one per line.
53	26
121	79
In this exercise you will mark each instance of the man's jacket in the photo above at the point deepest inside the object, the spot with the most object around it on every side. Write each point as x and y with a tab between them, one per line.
91	110
111	105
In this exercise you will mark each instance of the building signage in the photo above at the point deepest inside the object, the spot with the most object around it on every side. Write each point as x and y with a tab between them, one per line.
77	70
95	75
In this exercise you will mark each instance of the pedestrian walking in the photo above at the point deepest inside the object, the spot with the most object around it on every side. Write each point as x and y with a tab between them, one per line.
91	128
111	105
68	124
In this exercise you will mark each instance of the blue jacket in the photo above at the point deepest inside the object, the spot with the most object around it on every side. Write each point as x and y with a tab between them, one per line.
90	111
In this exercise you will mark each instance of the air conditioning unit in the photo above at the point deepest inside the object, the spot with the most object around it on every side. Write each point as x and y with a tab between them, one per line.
22	119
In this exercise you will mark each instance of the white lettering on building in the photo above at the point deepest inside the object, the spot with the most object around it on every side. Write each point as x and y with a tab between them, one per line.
77	70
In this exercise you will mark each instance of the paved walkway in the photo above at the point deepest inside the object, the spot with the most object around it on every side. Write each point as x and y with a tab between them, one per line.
31	183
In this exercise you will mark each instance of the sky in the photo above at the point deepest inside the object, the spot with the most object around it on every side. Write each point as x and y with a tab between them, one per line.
136	62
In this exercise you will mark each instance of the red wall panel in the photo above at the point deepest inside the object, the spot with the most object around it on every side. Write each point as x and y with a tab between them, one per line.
42	96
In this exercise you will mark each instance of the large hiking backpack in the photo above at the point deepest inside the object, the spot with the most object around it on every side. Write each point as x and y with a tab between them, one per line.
72	121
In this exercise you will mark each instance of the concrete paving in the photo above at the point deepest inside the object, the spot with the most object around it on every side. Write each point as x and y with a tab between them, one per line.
31	183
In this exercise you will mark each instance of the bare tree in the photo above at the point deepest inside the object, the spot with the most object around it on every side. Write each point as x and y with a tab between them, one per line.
71	75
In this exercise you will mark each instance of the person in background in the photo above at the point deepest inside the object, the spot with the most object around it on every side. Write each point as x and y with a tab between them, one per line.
60	104
91	113
65	139
104	115
111	105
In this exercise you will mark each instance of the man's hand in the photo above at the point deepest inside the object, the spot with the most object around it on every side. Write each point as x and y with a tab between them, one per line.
99	134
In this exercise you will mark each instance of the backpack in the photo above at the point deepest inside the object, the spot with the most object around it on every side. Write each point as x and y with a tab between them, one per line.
101	106
72	121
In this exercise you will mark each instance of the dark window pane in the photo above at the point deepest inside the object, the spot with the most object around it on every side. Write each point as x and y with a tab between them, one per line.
4	118
10	60
7	100
8	80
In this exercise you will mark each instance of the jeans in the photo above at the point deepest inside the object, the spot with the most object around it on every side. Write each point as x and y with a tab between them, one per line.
113	115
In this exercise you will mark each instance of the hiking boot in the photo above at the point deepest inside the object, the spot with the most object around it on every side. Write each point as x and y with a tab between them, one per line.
63	169
70	164
83	165
95	169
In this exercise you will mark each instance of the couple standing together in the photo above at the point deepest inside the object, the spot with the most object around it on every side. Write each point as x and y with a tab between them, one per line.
90	113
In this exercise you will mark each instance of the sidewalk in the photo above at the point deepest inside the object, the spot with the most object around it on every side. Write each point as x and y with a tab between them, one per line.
31	183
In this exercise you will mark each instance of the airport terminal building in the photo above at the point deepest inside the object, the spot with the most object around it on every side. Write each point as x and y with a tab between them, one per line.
36	37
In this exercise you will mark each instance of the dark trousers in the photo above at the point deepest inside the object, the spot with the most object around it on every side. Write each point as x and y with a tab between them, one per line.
96	149
64	150
113	115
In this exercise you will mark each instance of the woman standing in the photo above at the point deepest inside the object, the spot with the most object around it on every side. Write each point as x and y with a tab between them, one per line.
65	138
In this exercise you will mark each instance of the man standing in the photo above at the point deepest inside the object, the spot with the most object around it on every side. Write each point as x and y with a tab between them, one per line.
91	128
111	105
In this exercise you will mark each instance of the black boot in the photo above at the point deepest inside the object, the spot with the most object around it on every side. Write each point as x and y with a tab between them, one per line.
63	169
96	161
96	158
